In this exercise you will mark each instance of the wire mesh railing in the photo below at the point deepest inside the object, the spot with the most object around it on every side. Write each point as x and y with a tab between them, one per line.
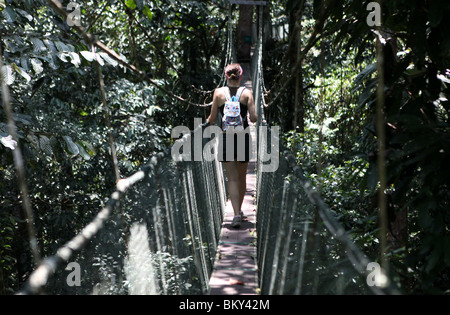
157	234
301	246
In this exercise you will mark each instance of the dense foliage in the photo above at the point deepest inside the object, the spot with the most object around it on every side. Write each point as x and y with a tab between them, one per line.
59	114
53	80
338	143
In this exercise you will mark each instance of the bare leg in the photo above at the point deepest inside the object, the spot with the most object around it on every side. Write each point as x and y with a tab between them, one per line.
233	185
242	170
237	183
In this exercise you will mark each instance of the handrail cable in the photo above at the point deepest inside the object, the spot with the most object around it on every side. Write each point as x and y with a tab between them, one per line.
48	267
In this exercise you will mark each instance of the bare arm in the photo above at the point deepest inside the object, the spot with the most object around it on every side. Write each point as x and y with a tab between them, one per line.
251	108
215	107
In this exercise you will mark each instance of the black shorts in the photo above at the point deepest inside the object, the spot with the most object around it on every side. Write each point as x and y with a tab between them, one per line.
238	149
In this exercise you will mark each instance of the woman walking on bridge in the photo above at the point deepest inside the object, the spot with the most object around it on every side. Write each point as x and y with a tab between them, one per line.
234	103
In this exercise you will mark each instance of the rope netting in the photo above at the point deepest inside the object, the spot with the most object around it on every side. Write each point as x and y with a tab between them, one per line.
301	246
159	237
158	232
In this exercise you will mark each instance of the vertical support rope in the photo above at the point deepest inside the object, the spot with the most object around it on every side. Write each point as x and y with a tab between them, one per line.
259	65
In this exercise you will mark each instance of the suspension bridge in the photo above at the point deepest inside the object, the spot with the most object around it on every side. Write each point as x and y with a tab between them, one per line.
166	230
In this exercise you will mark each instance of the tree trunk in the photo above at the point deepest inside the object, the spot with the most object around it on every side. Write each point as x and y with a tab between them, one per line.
295	28
244	33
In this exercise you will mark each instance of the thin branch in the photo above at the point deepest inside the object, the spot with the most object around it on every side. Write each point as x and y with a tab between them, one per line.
20	168
381	159
108	121
98	16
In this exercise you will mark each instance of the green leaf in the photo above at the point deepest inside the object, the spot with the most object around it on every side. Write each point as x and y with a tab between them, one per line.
72	148
37	65
25	14
88	147
148	13
152	109
7	74
22	72
63	47
366	94
424	218
365	73
75	59
8	142
131	4
50	58
99	59
88	55
45	145
108	59
83	152
38	45
9	15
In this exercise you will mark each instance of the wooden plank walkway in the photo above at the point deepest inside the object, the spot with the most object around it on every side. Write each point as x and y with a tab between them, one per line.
235	269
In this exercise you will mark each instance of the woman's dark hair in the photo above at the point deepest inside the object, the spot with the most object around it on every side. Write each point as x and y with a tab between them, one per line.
233	71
